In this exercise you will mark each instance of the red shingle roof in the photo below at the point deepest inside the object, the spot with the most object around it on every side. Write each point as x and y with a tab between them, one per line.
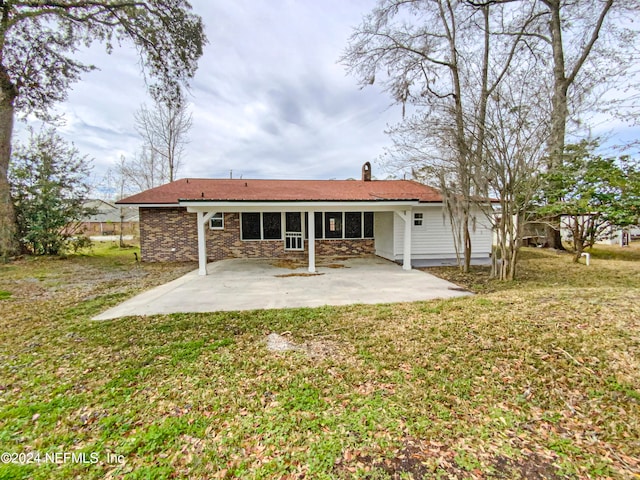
226	190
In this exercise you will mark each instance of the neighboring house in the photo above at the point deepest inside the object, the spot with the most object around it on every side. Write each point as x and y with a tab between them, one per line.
107	219
214	219
608	234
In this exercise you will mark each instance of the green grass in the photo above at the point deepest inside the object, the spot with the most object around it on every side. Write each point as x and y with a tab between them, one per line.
537	378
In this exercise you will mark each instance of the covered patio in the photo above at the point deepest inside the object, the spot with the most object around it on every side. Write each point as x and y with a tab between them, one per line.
304	236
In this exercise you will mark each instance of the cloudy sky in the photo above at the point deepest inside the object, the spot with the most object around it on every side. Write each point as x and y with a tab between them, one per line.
269	100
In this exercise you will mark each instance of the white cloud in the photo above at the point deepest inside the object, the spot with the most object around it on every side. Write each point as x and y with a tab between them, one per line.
269	99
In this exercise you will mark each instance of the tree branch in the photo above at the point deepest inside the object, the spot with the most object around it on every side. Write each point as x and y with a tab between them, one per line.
589	46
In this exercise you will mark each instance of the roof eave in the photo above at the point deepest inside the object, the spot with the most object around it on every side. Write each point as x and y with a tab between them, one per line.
188	201
283	203
297	205
153	205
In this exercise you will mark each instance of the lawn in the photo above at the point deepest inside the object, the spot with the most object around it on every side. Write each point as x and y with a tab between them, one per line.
538	378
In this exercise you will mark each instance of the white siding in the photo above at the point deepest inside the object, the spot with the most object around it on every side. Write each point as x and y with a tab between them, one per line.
383	233
434	240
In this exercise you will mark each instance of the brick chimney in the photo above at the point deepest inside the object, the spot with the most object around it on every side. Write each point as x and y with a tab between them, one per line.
366	172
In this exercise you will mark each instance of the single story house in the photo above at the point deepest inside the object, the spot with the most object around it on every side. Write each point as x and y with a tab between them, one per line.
214	219
608	234
108	219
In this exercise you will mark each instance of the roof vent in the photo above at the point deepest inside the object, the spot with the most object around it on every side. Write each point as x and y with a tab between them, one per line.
366	172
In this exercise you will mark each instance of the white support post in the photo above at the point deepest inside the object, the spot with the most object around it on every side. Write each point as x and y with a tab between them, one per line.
311	243
202	246
202	219
407	218
406	256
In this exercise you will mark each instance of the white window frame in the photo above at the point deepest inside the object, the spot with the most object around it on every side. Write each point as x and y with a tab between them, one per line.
373	220
242	229
282	227
217	216
309	218
344	226
324	225
418	219
344	222
262	239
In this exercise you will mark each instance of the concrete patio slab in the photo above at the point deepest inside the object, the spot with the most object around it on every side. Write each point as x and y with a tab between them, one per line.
247	284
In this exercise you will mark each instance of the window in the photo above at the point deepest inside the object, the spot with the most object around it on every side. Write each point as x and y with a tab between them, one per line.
293	222
353	225
333	225
272	226
368	224
251	226
341	225
417	219
328	225
217	221
262	226
318	225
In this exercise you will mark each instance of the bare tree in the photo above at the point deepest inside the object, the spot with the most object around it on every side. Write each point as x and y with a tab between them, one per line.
589	47
440	57
164	129
144	171
517	131
565	73
118	182
448	61
422	65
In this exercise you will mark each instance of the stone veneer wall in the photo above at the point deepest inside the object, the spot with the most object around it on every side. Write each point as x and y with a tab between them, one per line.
169	235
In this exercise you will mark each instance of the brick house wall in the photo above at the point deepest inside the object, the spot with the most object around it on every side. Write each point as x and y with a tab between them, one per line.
170	235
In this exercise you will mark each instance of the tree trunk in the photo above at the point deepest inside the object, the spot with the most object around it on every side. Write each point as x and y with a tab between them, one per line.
552	235
516	236
121	225
513	262
8	245
578	253
559	114
467	245
560	110
460	140
562	80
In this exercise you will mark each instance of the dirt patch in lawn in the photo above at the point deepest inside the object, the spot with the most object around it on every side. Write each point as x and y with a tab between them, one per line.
418	459
317	348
